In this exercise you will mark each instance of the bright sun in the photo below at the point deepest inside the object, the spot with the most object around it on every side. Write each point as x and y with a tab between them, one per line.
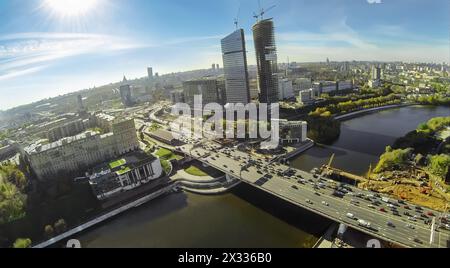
70	7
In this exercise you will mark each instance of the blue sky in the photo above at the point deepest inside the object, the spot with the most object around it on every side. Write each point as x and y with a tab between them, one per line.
45	52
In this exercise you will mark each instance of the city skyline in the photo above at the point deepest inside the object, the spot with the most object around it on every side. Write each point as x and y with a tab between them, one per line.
46	51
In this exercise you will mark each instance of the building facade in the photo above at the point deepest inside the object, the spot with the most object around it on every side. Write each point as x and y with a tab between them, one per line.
266	61
235	68
125	174
78	153
293	131
285	89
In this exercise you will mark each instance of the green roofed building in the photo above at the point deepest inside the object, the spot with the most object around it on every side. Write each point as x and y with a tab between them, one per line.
124	174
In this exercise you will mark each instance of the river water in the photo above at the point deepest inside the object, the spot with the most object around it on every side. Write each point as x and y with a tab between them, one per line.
247	217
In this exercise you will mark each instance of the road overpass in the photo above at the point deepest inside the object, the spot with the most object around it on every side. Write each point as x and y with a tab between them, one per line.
318	195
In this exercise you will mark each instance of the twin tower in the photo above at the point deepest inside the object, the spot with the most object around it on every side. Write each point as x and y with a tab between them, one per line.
235	64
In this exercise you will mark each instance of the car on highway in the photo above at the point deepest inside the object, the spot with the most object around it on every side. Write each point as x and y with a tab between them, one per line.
325	203
382	210
364	223
410	226
294	187
371	206
407	207
431	214
412	219
308	201
417	240
350	216
390	224
317	193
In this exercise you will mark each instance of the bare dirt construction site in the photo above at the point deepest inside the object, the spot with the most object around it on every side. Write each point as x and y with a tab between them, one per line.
403	186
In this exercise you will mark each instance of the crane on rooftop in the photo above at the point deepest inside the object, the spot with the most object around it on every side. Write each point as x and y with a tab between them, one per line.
236	20
260	15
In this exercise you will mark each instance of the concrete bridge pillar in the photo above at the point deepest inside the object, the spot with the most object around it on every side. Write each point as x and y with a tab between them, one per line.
341	231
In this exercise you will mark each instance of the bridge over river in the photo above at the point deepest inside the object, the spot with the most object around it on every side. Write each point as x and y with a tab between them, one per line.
321	196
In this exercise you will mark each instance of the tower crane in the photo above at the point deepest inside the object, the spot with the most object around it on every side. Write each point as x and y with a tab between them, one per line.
260	15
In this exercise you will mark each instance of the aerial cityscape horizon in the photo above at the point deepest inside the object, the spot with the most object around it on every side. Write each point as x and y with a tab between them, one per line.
225	124
38	42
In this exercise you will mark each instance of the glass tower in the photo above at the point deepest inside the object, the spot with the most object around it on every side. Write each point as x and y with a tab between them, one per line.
235	68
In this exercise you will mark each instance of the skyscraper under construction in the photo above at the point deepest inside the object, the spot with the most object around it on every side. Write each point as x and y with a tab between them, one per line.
266	59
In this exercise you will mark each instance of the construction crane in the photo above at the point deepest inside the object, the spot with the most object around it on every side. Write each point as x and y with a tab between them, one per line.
331	160
236	20
260	16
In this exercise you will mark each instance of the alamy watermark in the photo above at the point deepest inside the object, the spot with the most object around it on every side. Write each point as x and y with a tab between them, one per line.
240	121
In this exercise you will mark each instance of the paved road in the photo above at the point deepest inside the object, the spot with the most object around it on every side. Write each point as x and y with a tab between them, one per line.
302	188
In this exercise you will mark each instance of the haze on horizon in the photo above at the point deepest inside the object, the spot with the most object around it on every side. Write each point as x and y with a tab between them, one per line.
53	47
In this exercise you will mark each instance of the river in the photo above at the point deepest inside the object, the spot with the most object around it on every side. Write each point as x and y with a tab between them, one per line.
247	217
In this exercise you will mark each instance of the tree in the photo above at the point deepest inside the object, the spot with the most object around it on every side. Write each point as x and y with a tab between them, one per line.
393	158
49	231
60	226
22	243
439	165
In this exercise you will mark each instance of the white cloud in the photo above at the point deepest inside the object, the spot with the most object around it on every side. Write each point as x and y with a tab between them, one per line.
25	51
374	2
21	72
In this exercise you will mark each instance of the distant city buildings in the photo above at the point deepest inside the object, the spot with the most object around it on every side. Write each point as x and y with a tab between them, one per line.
125	93
235	68
375	77
266	60
285	89
306	96
206	87
150	73
176	97
80	106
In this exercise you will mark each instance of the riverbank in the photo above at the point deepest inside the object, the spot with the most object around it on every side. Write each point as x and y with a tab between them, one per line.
105	217
371	110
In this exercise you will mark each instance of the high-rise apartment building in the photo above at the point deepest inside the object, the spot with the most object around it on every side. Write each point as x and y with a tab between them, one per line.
150	72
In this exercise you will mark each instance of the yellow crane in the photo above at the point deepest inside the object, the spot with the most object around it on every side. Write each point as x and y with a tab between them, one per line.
331	160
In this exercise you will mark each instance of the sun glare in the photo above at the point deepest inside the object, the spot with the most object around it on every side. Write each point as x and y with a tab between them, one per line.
70	7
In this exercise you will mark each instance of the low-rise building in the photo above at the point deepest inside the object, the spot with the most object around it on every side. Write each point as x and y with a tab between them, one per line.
293	131
124	174
306	97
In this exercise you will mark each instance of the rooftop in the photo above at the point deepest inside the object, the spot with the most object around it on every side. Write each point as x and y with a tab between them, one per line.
122	165
39	147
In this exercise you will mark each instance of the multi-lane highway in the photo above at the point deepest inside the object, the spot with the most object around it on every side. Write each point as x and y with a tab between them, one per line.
393	221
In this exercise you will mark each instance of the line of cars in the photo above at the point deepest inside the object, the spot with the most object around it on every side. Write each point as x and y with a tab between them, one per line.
376	200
